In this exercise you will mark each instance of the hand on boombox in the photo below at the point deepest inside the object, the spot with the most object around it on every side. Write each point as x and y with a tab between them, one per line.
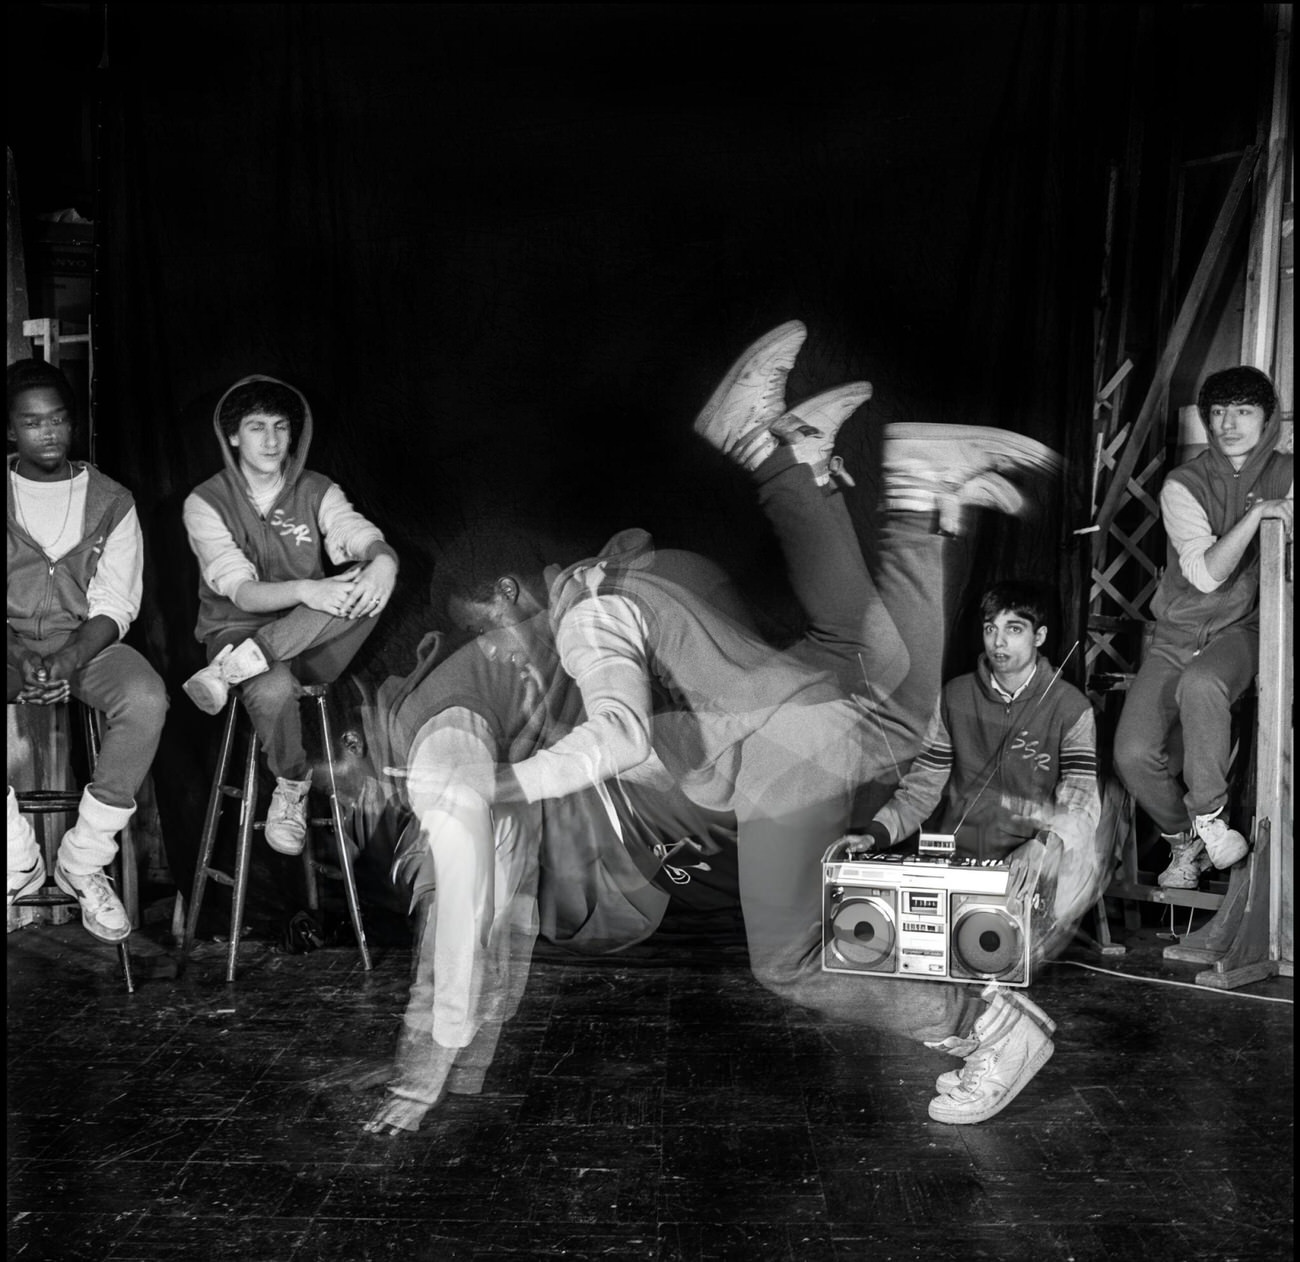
1024	865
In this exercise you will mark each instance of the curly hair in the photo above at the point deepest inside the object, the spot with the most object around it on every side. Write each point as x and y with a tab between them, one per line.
1236	385
271	398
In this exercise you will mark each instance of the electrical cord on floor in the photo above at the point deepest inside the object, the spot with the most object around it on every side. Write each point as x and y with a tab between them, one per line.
1165	981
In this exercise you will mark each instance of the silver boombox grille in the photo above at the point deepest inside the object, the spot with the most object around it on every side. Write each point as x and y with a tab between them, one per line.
932	916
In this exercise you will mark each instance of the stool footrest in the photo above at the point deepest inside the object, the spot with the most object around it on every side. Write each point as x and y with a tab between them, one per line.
221	878
47	801
50	896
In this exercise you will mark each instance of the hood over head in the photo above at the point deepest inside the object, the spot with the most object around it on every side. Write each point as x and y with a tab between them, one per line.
628	549
297	460
1250	472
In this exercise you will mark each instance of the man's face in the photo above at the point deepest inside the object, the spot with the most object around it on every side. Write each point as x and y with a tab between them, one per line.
1011	644
41	429
1238	428
506	633
262	442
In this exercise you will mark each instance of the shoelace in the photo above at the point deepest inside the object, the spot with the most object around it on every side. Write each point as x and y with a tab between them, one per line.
95	891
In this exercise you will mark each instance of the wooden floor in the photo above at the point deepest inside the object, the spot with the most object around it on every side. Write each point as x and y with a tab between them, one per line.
660	1106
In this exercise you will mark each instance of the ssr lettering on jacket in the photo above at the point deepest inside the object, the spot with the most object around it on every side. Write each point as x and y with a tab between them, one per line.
1030	750
290	529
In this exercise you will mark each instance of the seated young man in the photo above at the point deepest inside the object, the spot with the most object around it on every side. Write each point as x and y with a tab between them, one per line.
1010	760
269	616
73	588
1174	736
785	740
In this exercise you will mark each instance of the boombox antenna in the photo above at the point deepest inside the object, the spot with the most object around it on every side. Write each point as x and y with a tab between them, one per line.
997	753
898	774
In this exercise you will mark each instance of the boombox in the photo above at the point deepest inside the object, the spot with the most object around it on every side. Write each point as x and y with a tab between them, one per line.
933	916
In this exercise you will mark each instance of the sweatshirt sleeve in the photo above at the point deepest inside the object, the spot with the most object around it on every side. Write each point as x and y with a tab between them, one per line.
1188	529
116	588
602	644
223	566
452	764
1077	799
919	791
346	533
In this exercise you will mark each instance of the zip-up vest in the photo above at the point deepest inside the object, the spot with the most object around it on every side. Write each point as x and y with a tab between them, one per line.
283	546
45	597
1179	606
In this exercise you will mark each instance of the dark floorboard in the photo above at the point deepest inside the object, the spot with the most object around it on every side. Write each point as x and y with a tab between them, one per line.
658	1106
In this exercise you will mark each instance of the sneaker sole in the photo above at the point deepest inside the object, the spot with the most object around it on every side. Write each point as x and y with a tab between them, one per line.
66	887
32	885
1235	855
1033	1065
202	697
293	854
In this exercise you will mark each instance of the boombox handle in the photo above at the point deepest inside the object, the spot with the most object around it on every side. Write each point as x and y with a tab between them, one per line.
838	848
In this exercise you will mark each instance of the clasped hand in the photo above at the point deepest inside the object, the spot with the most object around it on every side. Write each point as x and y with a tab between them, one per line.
359	592
45	679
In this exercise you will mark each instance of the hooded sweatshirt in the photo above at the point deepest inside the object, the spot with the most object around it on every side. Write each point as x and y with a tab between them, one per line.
1184	610
289	539
638	643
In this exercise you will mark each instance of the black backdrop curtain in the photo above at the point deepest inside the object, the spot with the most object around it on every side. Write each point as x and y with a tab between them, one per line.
506	250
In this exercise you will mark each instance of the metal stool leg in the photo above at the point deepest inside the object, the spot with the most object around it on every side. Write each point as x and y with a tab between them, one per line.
210	821
336	815
244	854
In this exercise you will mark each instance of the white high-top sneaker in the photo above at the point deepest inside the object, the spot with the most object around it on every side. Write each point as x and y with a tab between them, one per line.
102	913
209	688
286	821
1187	860
752	395
953	468
810	428
26	867
1010	1043
1223	845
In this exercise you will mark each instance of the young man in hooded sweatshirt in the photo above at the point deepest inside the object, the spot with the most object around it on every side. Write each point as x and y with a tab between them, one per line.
75	568
1173	740
269	617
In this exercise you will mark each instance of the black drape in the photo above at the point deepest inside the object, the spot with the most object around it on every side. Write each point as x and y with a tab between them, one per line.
507	250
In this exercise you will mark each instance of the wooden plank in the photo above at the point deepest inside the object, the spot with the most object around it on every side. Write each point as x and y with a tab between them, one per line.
1258	334
1275	737
1177	339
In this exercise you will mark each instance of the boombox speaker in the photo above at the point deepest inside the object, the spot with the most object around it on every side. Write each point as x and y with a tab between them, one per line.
927	917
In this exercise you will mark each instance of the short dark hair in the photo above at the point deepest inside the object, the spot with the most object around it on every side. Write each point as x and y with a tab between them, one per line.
1236	385
1025	600
471	564
272	398
36	374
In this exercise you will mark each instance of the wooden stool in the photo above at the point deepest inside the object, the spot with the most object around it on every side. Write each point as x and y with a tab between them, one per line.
246	792
42	802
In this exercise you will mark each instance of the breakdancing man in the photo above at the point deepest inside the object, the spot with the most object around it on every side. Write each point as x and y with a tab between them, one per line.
784	739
